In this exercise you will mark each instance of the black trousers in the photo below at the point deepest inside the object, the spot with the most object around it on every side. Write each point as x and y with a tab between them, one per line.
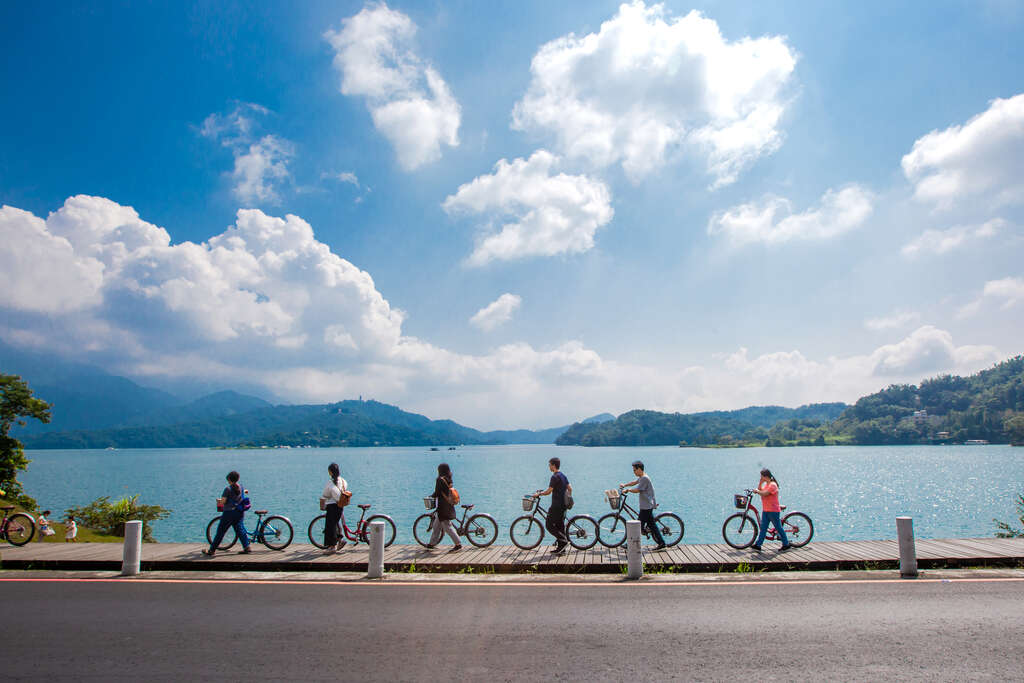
331	528
647	520
556	525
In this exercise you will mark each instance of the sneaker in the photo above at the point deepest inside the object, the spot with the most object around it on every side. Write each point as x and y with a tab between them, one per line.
660	547
430	546
756	548
560	550
207	551
245	551
330	551
785	548
341	544
455	549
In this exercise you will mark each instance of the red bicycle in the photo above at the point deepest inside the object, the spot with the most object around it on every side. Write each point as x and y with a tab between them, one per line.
17	529
740	529
360	533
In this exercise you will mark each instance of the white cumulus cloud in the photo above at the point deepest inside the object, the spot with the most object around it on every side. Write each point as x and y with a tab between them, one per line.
894	321
548	214
410	103
982	159
772	221
943	241
496	313
648	84
261	164
1009	289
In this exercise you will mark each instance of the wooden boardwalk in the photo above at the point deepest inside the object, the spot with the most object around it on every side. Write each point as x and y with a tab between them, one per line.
827	555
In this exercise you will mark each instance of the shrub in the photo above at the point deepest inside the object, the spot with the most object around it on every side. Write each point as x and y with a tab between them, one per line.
109	518
1007	531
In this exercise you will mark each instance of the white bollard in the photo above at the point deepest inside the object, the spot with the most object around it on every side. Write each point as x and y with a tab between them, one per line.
132	548
908	553
375	568
633	557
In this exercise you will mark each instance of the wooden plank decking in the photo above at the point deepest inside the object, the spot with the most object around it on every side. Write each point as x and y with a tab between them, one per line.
827	555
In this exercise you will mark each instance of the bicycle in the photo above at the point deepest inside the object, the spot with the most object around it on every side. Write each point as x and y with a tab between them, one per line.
480	529
527	531
611	527
275	532
17	529
360	533
740	529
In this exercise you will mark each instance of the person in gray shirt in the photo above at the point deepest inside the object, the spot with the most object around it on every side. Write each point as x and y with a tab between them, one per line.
645	488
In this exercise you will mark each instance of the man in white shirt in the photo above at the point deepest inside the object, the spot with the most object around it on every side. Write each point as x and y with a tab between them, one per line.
647	503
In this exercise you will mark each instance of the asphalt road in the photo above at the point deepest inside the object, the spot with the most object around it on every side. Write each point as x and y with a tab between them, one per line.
474	631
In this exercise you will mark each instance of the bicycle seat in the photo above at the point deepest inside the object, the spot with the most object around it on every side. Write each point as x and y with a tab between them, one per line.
7	507
260	512
364	506
782	507
467	507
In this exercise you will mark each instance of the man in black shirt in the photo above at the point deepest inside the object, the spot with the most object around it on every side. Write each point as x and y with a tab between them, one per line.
557	487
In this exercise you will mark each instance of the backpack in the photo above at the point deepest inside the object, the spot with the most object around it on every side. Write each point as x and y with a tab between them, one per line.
567	497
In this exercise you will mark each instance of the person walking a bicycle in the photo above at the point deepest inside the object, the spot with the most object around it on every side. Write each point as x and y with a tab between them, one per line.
445	513
557	489
234	501
768	489
645	489
335	496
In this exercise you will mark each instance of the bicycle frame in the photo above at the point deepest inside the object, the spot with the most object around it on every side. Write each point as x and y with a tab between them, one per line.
459	525
360	533
770	534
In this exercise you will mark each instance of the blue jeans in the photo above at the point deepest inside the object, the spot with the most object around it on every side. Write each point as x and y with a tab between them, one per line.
231	518
776	520
647	520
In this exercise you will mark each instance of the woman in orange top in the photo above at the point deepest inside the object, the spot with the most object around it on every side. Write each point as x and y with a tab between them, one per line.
768	489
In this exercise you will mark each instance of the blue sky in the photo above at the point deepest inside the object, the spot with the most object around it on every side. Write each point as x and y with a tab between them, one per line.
513	214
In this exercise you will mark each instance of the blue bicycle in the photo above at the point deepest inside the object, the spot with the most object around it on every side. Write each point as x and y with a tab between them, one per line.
275	532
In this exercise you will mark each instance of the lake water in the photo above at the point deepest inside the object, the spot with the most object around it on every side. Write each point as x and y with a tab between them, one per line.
851	493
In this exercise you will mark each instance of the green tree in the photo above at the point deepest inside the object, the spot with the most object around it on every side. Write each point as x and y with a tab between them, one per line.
109	518
1014	427
1007	531
16	404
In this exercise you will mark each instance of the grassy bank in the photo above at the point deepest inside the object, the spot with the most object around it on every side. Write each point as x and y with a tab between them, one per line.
84	535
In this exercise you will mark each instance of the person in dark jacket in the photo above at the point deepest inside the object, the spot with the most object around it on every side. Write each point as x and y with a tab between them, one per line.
445	512
557	487
232	516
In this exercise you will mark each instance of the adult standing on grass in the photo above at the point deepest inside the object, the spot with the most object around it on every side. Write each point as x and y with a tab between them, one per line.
768	489
231	516
557	488
335	496
645	488
445	512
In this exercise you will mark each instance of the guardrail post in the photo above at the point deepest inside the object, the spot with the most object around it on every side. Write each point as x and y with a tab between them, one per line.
375	568
633	557
908	553
132	548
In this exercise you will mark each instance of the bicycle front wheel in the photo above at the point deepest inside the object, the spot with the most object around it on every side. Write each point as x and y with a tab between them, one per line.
421	530
611	530
316	531
481	530
276	533
799	529
526	532
582	532
20	529
229	536
671	527
739	530
389	528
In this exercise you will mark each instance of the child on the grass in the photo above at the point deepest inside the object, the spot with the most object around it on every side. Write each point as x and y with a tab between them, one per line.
70	530
44	526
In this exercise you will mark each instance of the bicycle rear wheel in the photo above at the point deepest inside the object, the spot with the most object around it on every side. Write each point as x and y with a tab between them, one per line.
582	532
20	529
389	529
481	530
671	527
276	533
526	532
611	530
799	529
316	531
230	537
739	530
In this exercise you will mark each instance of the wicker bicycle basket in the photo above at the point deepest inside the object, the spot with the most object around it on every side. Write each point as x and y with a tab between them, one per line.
528	503
430	502
740	501
614	497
